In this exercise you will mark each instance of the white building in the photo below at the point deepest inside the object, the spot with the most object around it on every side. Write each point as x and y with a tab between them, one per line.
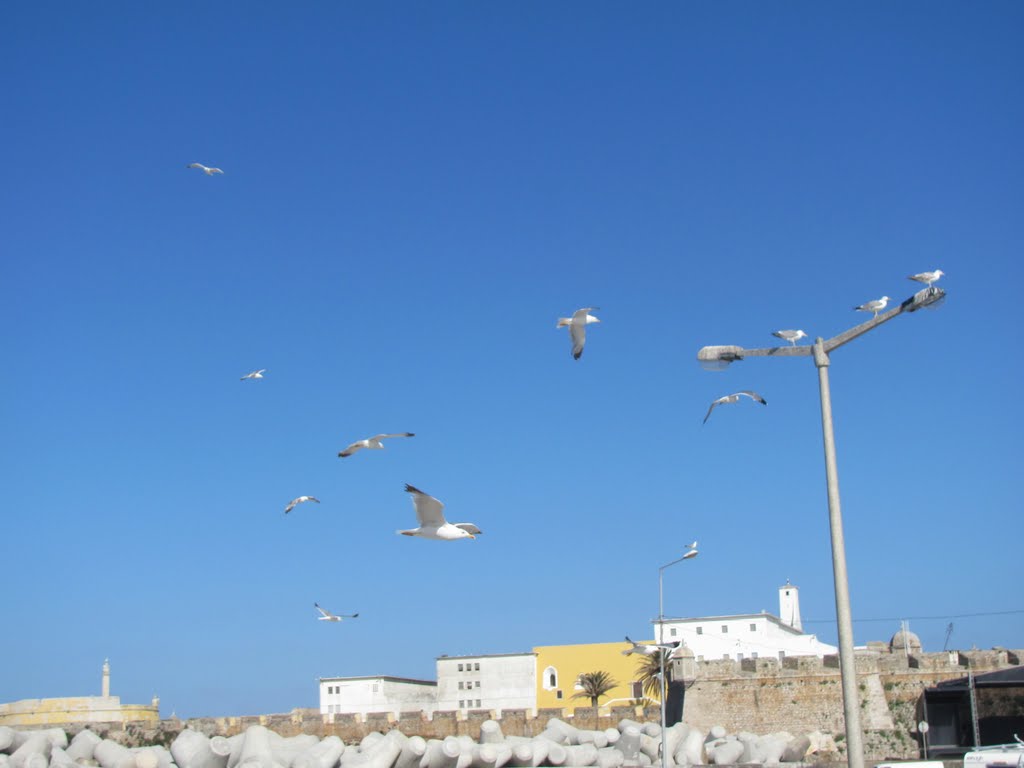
363	695
747	636
492	682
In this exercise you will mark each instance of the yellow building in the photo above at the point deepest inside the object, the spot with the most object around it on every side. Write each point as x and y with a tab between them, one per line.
79	709
559	667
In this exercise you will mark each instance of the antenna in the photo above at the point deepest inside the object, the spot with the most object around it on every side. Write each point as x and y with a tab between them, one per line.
949	631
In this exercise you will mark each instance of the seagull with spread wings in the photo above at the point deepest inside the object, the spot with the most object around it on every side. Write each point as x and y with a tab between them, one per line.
204	169
373	443
328	616
295	502
255	374
430	513
578	323
733	398
648	649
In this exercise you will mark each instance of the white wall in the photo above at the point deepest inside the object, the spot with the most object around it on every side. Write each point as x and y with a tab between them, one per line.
736	637
363	695
502	681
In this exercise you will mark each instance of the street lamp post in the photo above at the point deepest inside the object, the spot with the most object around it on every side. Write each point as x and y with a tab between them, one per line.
717	358
661	641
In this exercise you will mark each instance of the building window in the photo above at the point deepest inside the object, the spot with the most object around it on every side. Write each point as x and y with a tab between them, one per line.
753	655
672	632
636	689
700	630
739	657
461	684
550	679
725	629
478	702
753	627
462	704
375	687
460	667
476	668
477	683
782	655
558	694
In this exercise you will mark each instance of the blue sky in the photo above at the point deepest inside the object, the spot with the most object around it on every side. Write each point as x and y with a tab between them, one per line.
413	193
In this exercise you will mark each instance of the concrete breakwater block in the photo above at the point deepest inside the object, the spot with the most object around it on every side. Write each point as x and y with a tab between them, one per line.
83	745
36	743
110	754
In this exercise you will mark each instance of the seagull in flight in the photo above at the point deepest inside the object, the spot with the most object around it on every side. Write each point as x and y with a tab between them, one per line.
578	323
927	277
692	544
255	374
328	616
371	442
204	169
295	502
430	513
734	397
875	306
647	649
791	336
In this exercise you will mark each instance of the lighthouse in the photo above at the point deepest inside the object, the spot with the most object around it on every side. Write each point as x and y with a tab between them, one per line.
789	606
106	678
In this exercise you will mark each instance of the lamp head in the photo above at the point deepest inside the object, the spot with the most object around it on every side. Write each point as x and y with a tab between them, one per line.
717	358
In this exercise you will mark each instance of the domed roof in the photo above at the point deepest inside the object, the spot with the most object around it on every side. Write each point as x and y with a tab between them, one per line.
905	640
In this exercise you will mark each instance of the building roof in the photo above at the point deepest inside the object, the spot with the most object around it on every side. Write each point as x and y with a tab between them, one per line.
700	619
390	678
485	655
1014	676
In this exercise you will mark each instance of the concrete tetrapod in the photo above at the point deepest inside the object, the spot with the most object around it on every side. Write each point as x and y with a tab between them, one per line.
609	757
441	753
411	753
323	754
490	732
580	754
110	754
83	745
228	747
255	751
286	748
6	738
35	744
192	749
629	745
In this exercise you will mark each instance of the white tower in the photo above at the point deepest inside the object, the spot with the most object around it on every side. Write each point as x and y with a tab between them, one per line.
789	606
106	678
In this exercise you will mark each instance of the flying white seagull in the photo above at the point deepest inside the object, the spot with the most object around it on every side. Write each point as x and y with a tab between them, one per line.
791	336
295	502
255	374
578	323
927	277
430	513
692	544
204	169
328	616
647	649
371	442
734	397
874	307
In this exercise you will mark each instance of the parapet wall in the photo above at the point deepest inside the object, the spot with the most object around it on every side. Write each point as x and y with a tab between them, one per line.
75	709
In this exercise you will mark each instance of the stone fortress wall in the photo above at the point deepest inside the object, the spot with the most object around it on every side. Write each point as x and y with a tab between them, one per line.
796	694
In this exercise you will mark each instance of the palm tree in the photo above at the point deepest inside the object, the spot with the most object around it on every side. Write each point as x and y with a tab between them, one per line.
595	685
649	673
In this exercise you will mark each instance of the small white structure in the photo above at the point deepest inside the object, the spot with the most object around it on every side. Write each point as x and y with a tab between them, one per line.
747	636
491	682
363	695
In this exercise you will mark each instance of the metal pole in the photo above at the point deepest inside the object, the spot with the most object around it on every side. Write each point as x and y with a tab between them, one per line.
661	609
847	663
664	752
